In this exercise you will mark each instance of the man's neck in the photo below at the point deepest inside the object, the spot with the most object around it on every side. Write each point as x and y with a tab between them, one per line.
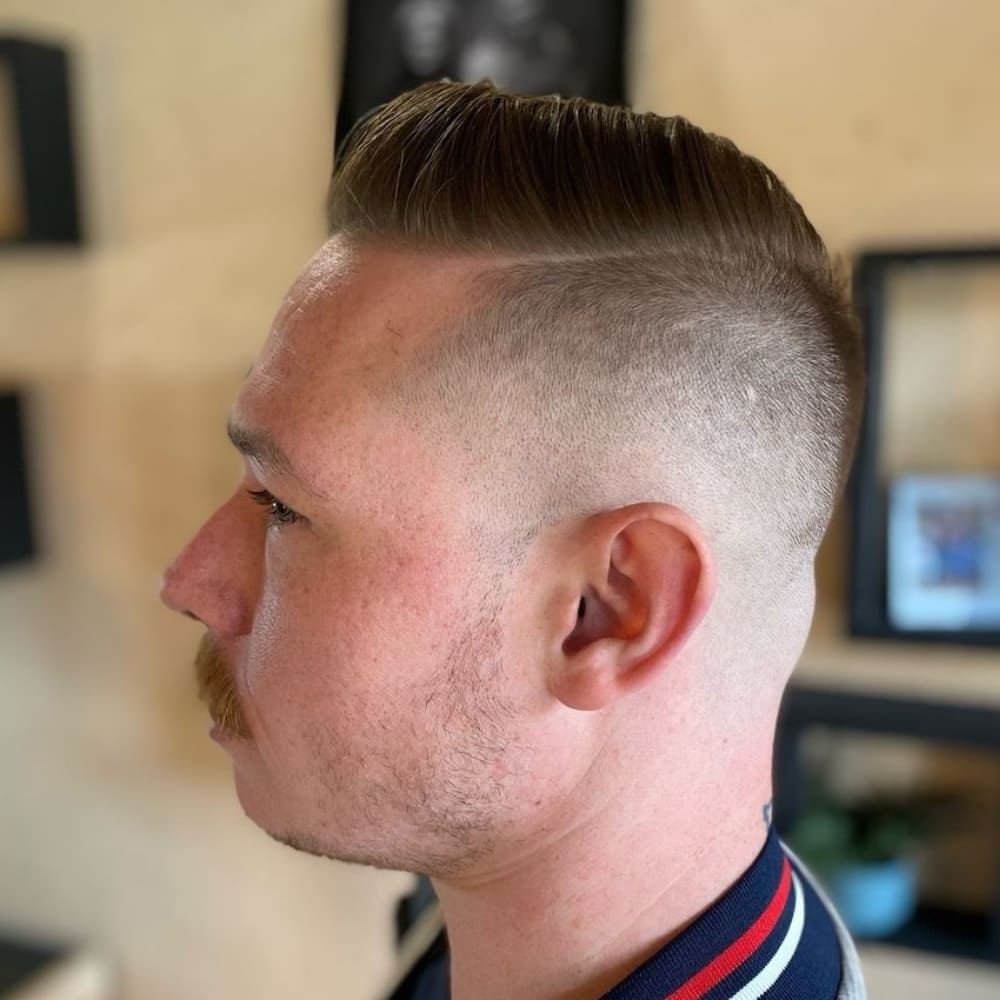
576	918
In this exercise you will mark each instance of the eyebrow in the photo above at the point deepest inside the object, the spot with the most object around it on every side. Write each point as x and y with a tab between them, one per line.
260	446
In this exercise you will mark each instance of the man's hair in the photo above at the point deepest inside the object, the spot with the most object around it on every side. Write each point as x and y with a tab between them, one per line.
662	323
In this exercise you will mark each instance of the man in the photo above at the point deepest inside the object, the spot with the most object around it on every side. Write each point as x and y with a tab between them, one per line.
538	455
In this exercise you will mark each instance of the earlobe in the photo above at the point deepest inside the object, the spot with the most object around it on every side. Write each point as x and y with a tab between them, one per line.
656	586
588	689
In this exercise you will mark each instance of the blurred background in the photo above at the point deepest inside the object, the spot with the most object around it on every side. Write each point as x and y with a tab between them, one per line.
162	176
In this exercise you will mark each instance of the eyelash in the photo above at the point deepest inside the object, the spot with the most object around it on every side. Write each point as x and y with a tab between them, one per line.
278	514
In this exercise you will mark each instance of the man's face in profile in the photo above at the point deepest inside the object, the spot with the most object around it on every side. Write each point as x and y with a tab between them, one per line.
351	636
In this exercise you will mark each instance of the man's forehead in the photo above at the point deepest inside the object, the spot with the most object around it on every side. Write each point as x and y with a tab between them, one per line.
331	266
357	311
377	275
349	317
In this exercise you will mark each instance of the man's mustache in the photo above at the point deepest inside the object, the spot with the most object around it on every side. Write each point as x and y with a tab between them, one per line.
216	690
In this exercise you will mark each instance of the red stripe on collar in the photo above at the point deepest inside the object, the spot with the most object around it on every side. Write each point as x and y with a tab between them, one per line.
742	948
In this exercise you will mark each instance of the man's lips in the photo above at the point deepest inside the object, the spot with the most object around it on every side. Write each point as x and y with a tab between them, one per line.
220	735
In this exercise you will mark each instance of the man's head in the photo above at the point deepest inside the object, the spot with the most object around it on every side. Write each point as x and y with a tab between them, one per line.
547	436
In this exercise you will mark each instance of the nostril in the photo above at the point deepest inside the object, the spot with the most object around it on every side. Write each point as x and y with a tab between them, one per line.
172	598
169	594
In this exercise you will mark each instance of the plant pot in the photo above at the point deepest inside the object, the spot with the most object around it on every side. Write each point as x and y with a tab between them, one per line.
875	900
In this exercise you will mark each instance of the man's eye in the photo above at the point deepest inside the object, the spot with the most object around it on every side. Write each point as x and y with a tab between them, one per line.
278	514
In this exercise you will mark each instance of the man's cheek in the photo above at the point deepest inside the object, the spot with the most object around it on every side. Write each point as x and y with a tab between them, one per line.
299	647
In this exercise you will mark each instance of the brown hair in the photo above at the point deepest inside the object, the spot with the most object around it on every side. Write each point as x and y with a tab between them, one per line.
671	327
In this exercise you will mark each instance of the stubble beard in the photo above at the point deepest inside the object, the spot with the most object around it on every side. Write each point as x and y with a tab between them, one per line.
450	801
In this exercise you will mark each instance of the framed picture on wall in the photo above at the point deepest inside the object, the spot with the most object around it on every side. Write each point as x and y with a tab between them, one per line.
17	539
571	47
38	176
925	489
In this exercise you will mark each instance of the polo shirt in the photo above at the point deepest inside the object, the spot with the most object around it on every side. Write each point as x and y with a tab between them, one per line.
774	934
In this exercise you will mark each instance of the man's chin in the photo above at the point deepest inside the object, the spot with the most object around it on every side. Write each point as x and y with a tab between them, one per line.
374	848
306	845
263	810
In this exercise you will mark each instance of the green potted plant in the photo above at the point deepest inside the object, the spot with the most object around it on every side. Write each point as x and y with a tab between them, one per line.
863	851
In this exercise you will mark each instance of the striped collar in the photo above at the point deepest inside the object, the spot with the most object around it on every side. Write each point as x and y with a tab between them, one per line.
768	934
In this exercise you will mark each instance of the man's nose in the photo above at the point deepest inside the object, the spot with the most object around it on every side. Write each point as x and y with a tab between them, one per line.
171	589
213	578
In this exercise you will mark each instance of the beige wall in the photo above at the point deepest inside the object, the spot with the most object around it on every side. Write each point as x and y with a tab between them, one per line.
204	134
878	114
205	141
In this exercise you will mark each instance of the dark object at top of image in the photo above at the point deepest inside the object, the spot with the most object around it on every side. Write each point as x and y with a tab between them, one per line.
39	202
575	49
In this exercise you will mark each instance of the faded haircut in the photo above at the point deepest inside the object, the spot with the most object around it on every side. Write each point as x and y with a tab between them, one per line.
663	322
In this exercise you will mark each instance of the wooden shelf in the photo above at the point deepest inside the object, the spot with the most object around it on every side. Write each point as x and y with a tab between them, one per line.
939	673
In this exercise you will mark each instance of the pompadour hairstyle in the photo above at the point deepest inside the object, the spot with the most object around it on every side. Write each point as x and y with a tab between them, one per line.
663	322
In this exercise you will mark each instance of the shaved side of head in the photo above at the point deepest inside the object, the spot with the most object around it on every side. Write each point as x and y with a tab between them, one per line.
654	318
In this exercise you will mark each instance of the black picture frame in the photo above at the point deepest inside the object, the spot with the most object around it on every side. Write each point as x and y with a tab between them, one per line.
42	142
375	67
17	534
867	494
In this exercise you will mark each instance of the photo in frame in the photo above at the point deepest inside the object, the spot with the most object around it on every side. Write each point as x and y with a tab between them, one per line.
575	48
944	553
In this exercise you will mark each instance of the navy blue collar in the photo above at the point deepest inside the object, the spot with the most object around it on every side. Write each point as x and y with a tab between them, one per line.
768	933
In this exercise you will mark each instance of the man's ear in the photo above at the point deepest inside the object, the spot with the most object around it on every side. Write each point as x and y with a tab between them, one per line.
648	586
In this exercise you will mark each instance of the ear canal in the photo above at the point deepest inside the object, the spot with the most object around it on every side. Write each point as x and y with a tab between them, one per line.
575	641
